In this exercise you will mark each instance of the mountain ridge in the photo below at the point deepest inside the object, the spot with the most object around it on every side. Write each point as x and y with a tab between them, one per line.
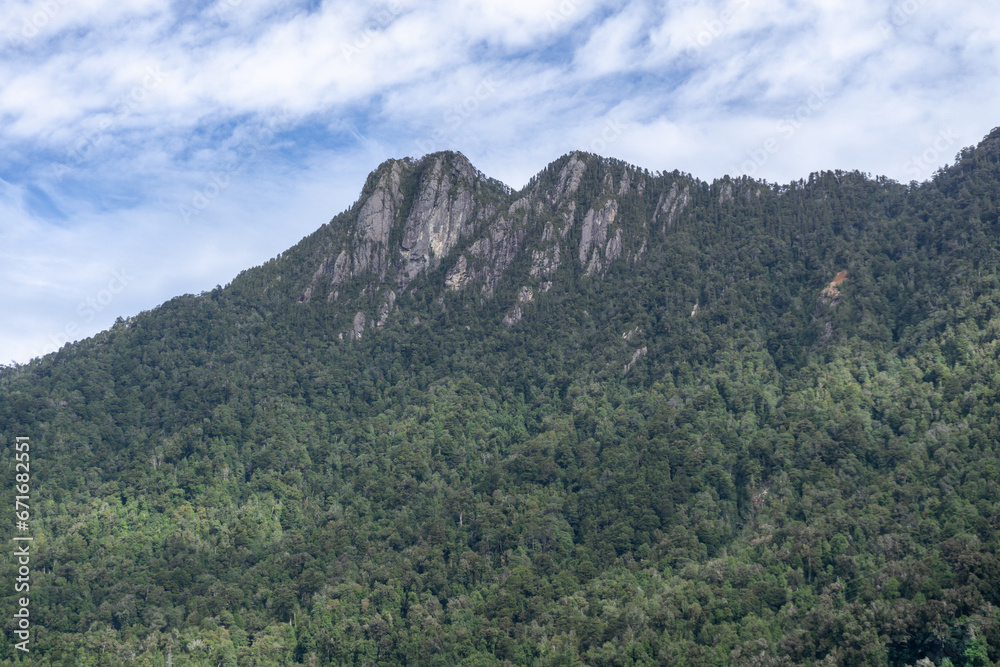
614	417
394	241
373	251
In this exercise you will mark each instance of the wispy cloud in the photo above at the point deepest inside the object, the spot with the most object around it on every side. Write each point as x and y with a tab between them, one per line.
118	116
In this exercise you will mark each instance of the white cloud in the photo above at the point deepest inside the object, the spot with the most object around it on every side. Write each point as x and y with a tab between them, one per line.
613	45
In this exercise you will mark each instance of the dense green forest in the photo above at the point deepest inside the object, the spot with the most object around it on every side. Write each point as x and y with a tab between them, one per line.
708	451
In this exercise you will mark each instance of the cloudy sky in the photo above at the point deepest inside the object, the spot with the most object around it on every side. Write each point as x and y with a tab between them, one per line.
154	148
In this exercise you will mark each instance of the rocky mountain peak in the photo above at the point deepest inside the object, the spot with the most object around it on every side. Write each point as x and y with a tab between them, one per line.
442	212
582	213
410	215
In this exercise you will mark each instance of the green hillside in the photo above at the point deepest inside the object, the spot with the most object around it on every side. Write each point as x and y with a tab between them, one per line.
615	418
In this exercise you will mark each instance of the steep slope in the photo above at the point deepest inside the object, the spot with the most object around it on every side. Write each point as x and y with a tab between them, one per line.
616	417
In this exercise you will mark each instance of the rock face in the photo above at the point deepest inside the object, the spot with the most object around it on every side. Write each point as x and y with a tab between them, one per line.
489	257
459	276
386	309
641	352
569	178
671	205
513	317
359	325
441	212
367	250
545	261
597	251
726	194
525	295
439	218
415	214
374	226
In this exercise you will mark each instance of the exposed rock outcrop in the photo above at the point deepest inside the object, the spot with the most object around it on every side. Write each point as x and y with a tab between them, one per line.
635	357
366	250
525	295
443	209
439	217
359	325
459	276
320	272
415	213
626	181
375	225
341	268
544	263
831	293
386	309
725	194
545	260
513	317
486	260
596	225
671	205
569	178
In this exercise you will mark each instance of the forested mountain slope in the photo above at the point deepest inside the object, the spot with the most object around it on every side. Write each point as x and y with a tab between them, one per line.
616	417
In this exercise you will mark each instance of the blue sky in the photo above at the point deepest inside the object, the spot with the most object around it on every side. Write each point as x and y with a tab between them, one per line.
154	148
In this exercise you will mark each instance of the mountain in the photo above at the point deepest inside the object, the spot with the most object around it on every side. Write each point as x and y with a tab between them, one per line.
614	417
